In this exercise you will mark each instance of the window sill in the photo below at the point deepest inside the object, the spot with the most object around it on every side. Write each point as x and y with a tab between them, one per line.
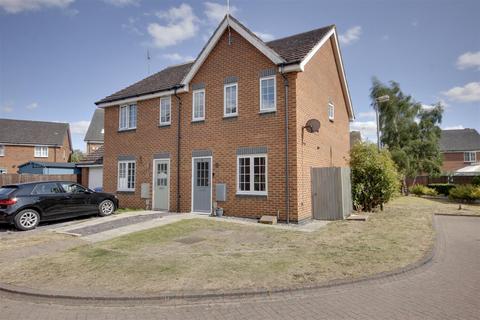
331	120
40	157
255	195
164	125
198	121
267	111
230	116
126	130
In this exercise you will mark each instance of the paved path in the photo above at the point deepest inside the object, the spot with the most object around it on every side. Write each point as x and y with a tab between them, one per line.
446	288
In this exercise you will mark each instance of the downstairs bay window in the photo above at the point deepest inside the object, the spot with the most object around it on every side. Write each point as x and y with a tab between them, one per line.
252	175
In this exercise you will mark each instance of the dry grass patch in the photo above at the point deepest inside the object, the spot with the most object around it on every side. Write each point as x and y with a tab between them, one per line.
207	254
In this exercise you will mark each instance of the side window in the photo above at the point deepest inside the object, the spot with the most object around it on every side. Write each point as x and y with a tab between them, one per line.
165	111
46	188
72	188
198	105
331	111
230	99
268	94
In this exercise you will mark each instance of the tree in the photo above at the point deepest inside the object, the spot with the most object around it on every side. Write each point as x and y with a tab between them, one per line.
375	179
410	132
76	156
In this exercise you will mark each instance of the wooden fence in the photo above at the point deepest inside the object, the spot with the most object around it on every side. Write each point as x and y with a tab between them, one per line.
11	178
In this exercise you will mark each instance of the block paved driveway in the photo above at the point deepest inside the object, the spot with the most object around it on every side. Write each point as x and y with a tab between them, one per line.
446	288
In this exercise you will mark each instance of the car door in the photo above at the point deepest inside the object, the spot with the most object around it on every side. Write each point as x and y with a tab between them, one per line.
78	200
49	198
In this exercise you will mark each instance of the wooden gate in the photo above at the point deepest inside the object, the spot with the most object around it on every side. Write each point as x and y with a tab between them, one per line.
331	193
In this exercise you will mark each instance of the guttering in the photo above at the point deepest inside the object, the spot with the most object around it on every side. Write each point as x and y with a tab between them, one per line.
179	100
287	190
176	89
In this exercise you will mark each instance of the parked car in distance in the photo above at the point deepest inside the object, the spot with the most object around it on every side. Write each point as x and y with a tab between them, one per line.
26	204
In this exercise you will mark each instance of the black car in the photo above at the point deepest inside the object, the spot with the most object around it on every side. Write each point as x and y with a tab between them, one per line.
26	204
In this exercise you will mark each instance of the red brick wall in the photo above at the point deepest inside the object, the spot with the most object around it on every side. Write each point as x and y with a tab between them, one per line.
319	83
453	161
17	155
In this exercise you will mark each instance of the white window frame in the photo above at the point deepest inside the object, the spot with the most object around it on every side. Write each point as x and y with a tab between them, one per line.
228	85
3	171
127	125
169	99
468	158
252	175
40	152
123	186
2	150
331	111
193	105
262	109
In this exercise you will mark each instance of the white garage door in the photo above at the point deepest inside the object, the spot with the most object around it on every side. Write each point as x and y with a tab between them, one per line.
95	177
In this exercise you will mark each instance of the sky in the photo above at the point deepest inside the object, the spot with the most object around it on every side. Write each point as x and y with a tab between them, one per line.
57	57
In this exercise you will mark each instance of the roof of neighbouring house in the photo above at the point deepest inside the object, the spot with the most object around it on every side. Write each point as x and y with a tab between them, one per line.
292	49
460	140
28	132
67	165
94	158
95	129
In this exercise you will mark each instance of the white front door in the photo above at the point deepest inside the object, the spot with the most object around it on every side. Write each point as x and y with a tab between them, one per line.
161	184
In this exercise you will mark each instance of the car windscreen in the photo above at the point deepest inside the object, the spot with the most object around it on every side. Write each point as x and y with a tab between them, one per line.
5	191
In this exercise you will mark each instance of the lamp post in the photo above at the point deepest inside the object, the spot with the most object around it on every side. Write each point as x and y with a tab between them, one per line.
379	100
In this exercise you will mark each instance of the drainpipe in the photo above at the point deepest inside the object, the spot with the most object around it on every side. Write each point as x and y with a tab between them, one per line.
287	190
179	101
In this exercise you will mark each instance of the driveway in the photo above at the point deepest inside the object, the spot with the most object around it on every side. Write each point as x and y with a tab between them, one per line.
446	288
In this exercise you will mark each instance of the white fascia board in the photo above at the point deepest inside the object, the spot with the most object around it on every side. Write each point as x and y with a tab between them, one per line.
261	46
140	98
316	48
291	68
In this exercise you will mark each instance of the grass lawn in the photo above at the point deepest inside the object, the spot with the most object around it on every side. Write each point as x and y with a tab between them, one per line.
207	254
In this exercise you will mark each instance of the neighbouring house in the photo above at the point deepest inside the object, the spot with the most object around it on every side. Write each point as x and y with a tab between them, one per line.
236	127
95	132
22	141
92	169
355	137
460	148
37	167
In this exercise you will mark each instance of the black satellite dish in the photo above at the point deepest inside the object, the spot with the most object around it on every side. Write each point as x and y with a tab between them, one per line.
313	125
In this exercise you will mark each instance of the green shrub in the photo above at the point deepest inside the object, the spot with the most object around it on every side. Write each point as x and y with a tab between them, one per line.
421	190
476	181
465	193
442	188
374	177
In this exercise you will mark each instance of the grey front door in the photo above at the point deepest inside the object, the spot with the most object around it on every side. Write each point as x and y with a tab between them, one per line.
161	183
202	191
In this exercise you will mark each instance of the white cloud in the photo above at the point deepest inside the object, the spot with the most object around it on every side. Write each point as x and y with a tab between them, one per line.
264	36
469	60
16	6
79	127
122	3
131	27
468	93
177	57
32	106
428	107
351	35
414	23
215	12
454	127
182	24
8	108
368	129
368	114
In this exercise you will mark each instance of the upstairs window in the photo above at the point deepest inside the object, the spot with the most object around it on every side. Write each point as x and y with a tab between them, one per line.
126	176
165	110
41	152
268	96
128	117
470	156
252	175
230	97
198	107
2	150
331	111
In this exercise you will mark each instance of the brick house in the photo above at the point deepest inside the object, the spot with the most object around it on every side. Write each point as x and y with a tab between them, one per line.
460	148
235	119
22	141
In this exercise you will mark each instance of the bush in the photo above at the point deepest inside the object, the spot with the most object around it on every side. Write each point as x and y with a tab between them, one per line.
421	190
476	181
374	177
442	188
465	193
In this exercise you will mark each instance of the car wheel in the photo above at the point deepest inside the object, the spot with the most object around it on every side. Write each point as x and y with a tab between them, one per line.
27	219
106	208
